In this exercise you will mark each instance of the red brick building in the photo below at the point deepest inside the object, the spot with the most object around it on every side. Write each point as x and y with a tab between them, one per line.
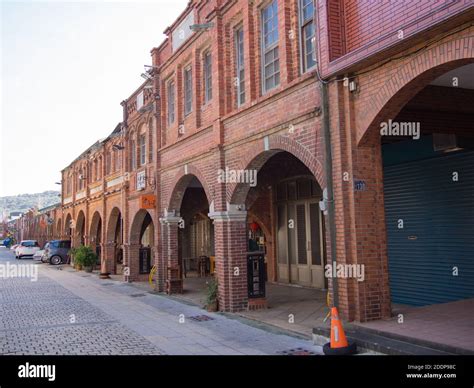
222	148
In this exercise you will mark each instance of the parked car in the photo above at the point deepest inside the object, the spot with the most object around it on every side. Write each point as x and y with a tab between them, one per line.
57	252
43	257
27	248
38	255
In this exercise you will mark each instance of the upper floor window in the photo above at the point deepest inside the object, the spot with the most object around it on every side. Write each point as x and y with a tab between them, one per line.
68	185
307	34
142	145
207	76
108	163
96	170
188	91
239	51
171	103
133	155
80	180
270	53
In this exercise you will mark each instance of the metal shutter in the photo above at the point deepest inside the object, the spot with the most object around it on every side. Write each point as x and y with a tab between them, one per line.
438	233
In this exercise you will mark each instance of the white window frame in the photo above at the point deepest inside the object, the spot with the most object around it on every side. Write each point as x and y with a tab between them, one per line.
140	100
303	24
207	73
142	146
188	94
272	47
133	155
240	65
171	102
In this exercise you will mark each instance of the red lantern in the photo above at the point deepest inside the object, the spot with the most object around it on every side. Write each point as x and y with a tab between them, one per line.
254	227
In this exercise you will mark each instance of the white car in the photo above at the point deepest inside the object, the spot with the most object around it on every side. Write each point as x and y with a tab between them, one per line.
27	248
38	255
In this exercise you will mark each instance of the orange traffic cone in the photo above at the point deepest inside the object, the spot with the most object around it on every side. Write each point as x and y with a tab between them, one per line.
339	343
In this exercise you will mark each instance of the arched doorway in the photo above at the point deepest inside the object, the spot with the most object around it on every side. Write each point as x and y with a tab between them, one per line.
80	230
112	259
68	228
427	156
284	220
95	235
196	255
142	243
59	229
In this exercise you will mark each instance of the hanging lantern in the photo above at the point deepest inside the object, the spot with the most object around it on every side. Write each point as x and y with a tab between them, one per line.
254	227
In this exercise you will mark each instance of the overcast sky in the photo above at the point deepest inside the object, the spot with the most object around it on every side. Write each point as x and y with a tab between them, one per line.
65	68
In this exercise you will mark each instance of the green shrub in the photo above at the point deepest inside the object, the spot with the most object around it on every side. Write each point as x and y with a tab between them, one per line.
212	290
84	256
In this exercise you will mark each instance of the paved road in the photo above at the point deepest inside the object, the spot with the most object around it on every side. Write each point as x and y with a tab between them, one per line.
67	312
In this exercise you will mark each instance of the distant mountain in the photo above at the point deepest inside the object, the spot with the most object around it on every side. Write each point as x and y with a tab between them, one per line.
24	202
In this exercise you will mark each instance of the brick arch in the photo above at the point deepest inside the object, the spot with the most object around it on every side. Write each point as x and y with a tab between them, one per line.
59	228
113	219
80	223
137	223
256	157
67	220
410	79
94	224
180	184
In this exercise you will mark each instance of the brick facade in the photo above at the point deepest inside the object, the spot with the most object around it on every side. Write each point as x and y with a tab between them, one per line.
353	40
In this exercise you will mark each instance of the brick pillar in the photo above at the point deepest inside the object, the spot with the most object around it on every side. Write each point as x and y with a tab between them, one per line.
169	231
360	216
131	259
160	259
230	236
108	258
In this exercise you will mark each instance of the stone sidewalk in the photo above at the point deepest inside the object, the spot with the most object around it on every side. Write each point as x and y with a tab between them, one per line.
117	318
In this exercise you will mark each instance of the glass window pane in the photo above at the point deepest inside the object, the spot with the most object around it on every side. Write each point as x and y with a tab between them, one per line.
301	233
291	235
282	253
314	214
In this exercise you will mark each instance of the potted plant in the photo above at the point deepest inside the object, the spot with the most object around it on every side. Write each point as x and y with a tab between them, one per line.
212	303
76	263
85	257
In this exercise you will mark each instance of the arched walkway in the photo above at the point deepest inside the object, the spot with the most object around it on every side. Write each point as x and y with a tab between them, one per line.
141	251
112	255
95	235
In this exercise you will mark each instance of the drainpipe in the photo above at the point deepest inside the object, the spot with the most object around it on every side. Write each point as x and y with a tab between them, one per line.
329	184
328	159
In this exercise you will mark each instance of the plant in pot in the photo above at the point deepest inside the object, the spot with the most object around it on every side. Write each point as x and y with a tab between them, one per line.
85	257
212	302
75	261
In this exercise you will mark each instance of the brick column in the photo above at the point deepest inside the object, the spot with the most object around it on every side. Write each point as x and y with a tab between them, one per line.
108	258
131	259
230	236
160	259
360	215
170	259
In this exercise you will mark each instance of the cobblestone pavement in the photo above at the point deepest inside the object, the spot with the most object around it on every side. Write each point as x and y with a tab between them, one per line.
67	312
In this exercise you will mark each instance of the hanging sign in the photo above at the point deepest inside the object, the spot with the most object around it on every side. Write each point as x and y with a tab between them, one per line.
148	201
